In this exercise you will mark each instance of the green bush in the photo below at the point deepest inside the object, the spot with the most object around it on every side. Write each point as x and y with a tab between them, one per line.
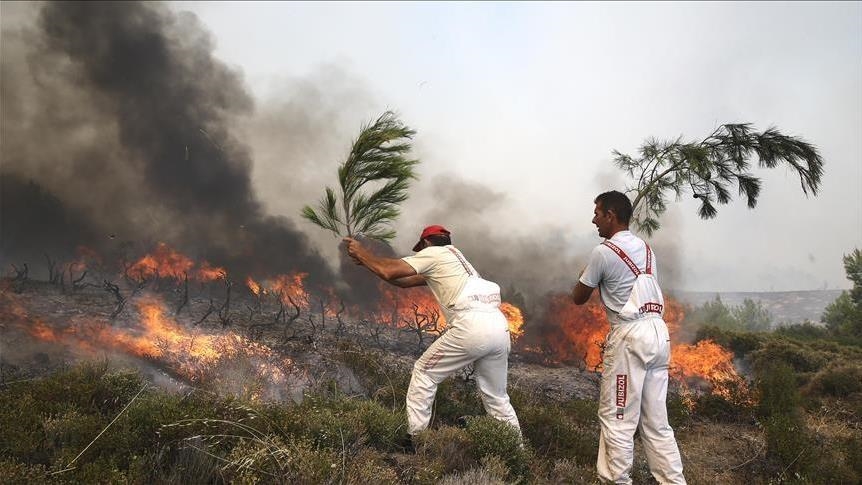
739	342
837	381
370	467
492	437
451	445
559	431
382	427
456	398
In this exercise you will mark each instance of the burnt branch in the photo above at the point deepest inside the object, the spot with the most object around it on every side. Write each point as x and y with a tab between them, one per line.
121	301
77	283
185	298
339	329
224	311
21	274
208	312
54	277
421	325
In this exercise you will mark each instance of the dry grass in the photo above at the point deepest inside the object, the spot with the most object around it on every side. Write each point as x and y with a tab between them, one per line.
720	452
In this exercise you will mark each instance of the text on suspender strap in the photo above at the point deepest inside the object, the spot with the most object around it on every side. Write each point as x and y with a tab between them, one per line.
626	259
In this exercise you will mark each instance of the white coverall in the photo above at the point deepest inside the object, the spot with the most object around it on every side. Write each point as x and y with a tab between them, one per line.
634	382
478	333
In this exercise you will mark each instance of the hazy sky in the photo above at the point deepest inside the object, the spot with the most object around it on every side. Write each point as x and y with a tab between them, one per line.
519	105
529	99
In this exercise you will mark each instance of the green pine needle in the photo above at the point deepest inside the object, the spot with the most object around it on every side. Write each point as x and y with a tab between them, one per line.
709	168
378	156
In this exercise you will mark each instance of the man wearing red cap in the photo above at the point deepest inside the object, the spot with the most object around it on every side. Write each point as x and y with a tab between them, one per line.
476	330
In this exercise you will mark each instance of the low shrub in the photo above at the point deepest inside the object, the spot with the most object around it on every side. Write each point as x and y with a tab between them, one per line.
455	399
14	471
840	381
449	444
492	437
559	431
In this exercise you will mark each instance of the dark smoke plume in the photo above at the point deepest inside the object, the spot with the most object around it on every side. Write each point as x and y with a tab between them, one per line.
121	113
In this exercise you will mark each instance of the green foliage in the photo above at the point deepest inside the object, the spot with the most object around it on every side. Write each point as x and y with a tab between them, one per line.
451	445
844	315
739	342
492	437
708	168
378	156
750	316
840	380
456	398
563	431
803	331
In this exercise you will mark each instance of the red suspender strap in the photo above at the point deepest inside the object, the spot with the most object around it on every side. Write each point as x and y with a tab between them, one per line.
460	258
648	259
625	257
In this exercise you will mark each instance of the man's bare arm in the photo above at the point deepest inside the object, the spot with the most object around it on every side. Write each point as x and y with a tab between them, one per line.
388	269
409	281
581	293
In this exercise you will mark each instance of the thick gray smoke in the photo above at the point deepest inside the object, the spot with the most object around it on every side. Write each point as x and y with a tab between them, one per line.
121	116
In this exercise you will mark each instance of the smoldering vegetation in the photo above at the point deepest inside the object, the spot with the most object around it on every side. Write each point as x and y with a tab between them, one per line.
121	129
119	114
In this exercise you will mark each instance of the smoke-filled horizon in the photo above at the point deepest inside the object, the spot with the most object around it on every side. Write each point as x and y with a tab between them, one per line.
131	122
134	133
119	126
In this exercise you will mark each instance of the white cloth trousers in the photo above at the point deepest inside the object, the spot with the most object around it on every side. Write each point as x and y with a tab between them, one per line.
480	337
633	396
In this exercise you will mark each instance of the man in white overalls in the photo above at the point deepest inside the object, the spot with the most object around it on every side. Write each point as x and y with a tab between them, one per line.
635	363
476	330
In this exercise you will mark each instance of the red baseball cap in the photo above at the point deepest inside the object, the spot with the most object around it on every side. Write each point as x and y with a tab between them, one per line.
434	230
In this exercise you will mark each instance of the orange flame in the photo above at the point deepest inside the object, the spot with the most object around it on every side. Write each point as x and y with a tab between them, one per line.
709	361
291	287
164	261
209	273
515	318
580	331
252	285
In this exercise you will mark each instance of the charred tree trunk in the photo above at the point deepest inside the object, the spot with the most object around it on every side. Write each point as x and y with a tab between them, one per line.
224	311
121	301
208	312
54	276
185	298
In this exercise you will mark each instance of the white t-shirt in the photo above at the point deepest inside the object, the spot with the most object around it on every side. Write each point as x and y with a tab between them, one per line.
609	273
443	272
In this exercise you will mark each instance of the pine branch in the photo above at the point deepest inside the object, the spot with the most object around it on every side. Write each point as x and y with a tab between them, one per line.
379	154
708	167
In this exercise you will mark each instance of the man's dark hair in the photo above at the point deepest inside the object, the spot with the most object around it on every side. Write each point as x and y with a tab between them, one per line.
617	202
439	240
